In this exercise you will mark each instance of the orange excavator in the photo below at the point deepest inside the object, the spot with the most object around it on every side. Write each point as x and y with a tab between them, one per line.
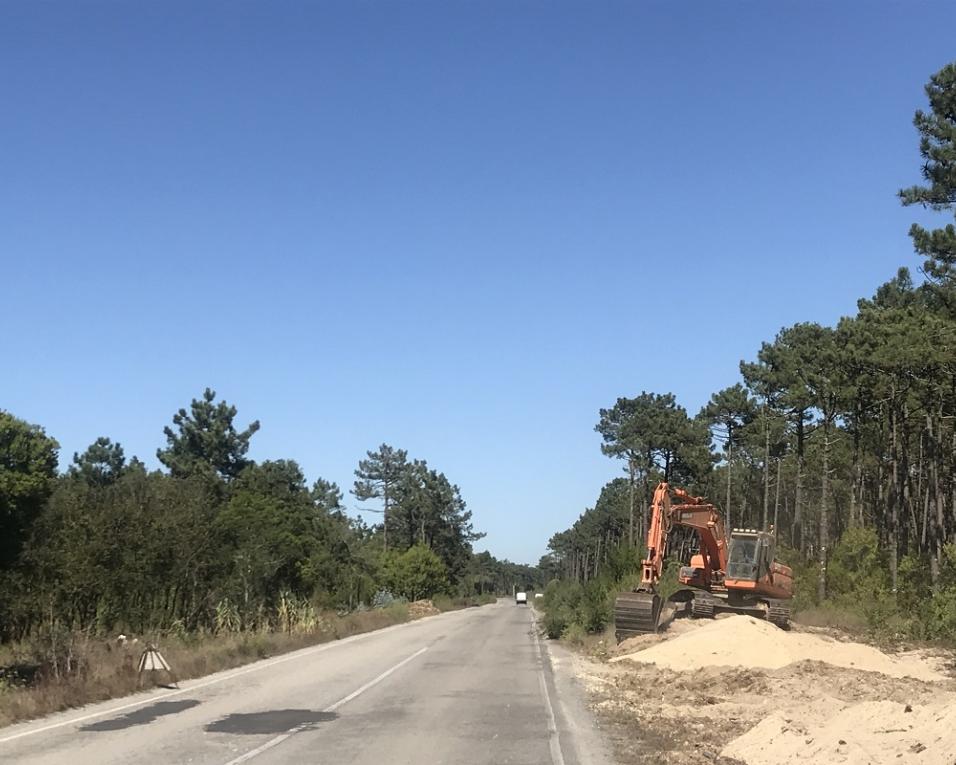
736	574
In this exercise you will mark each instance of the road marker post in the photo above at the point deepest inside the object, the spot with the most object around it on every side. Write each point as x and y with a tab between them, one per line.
152	661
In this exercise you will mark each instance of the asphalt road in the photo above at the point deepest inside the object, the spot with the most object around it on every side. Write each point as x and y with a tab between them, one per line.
473	686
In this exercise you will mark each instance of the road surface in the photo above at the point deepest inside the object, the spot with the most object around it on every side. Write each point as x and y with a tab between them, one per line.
473	686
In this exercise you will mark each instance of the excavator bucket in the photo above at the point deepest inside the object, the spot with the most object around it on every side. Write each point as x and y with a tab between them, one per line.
636	613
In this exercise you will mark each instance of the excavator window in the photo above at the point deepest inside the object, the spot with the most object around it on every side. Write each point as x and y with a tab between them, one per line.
742	563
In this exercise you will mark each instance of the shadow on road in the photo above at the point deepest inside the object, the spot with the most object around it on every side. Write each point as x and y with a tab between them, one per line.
272	721
142	716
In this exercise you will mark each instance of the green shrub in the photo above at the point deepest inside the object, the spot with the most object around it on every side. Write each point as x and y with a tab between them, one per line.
805	577
416	573
593	608
556	621
574	634
857	566
586	607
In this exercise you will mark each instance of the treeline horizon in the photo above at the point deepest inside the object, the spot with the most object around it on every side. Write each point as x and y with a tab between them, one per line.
215	540
842	438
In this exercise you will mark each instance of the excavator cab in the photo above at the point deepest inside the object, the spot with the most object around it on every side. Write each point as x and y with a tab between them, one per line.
750	555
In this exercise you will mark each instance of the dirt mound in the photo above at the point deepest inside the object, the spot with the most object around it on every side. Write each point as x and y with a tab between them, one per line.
740	690
871	733
419	608
742	641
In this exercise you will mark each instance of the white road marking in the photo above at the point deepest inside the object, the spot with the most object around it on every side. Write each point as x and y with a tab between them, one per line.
554	742
213	681
331	708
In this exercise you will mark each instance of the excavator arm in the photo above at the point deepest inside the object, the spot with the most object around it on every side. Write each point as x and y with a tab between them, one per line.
691	512
639	611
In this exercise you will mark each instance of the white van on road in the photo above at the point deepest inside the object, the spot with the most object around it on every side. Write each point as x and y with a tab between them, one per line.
521	598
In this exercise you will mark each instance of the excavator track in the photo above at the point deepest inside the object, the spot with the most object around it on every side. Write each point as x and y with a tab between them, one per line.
779	613
702	607
636	613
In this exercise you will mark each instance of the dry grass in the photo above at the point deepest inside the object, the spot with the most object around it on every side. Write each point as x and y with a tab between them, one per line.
103	669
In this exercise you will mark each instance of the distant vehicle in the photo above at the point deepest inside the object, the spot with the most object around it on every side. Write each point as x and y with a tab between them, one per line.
521	598
538	595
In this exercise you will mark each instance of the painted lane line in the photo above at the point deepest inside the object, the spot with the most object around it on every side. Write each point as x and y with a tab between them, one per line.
371	683
554	741
265	664
272	742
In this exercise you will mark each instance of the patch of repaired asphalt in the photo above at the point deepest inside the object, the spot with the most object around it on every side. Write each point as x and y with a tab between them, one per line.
143	715
272	721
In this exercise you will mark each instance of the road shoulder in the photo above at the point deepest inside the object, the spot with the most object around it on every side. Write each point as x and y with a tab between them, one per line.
581	739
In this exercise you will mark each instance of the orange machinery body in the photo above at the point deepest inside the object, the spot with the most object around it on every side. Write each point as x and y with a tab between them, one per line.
776	583
708	569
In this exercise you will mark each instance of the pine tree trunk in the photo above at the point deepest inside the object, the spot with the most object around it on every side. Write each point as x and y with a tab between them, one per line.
799	543
936	558
630	525
730	462
776	497
766	472
385	493
786	512
895	497
855	483
824	514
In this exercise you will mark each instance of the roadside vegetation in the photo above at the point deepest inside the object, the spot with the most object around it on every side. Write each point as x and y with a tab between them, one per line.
841	438
216	558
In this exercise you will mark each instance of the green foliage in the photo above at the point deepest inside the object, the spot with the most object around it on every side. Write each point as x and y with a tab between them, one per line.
729	410
28	459
805	575
227	617
220	542
937	129
416	573
668	583
654	432
428	510
206	440
941	615
582	608
327	497
857	566
560	599
623	560
377	477
574	634
101	464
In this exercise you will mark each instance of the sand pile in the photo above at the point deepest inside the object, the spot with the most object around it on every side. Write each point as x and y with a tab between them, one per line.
419	608
871	733
740	690
742	641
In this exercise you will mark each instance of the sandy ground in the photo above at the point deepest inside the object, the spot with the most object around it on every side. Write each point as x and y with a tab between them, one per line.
738	690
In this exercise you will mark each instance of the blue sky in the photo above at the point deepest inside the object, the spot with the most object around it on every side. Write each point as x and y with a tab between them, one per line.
459	228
